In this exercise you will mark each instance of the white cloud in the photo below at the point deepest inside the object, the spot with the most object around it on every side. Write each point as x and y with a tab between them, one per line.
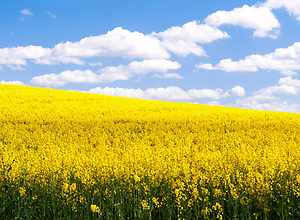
26	12
116	43
132	93
114	73
265	99
207	93
288	73
50	13
168	93
12	82
153	65
230	66
289	81
193	32
167	76
259	18
238	91
270	104
107	74
64	77
95	64
285	60
15	67
183	48
292	6
281	89
14	57
182	40
207	66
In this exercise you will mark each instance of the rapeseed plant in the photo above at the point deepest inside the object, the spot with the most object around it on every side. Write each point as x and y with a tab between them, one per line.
68	155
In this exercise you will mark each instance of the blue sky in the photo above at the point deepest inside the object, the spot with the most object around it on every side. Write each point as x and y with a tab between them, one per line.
229	53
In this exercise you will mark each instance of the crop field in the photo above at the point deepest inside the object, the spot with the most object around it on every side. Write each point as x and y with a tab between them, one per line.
72	155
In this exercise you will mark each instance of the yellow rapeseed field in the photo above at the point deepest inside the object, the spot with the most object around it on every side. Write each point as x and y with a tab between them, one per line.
68	155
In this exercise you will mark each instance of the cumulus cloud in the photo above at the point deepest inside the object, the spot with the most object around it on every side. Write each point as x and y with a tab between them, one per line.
207	66
168	93
238	91
230	66
259	18
14	57
182	40
285	60
26	12
116	43
107	74
285	86
292	6
193	32
64	77
12	82
78	76
289	81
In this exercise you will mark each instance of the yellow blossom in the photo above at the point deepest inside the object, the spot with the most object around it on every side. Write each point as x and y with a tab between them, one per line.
95	208
22	191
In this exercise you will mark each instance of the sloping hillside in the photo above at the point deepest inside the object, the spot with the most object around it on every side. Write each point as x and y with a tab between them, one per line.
72	155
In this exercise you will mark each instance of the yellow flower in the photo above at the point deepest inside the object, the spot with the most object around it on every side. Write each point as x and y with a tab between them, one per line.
22	191
72	188
145	205
156	202
136	178
95	208
255	215
216	206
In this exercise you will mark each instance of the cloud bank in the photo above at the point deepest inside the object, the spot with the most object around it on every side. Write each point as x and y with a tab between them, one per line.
12	82
107	74
267	98
117	43
285	60
170	93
